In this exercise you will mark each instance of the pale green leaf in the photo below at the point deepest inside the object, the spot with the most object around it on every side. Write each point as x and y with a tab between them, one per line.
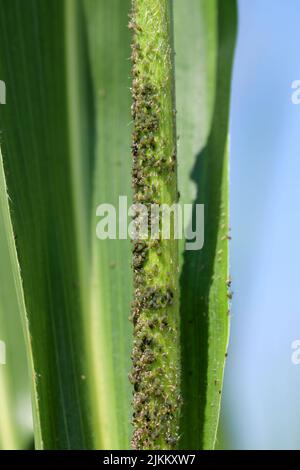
66	144
15	407
48	186
204	44
109	337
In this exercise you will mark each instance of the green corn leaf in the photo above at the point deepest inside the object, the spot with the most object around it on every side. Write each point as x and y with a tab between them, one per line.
204	44
110	337
15	409
65	131
66	146
46	160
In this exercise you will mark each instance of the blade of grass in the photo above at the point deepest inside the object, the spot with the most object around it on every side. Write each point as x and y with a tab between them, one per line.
44	182
110	339
15	408
78	314
204	42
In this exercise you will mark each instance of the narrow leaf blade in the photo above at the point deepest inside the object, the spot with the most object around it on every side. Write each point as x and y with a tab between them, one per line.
15	406
110	335
39	164
204	42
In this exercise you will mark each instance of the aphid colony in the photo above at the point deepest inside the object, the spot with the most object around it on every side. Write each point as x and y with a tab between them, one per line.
155	374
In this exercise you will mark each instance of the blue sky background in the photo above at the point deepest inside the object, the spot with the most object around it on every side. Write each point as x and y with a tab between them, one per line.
262	386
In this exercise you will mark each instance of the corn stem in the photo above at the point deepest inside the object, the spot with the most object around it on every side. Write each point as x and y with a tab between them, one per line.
155	311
